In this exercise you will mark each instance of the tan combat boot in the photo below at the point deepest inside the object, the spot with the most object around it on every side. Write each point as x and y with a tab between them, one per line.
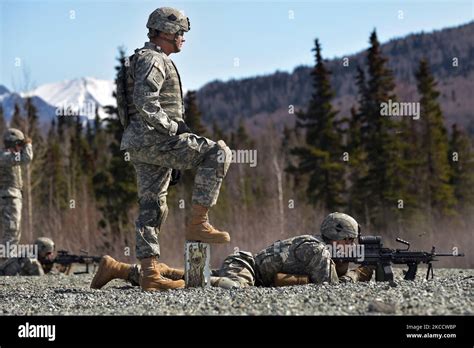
171	273
201	230
110	269
152	276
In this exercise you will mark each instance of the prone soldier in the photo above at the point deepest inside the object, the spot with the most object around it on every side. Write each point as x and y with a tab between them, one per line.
296	261
299	260
26	266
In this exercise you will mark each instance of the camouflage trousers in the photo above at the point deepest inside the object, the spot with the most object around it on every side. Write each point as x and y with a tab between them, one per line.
10	218
240	268
153	167
21	266
134	275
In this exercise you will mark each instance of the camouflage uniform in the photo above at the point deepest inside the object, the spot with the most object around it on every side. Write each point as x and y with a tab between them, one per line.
155	106
11	185
23	266
134	275
303	255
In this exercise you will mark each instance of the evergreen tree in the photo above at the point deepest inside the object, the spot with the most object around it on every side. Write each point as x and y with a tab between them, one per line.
356	137
218	133
384	186
35	171
17	120
3	124
115	183
321	157
57	186
32	123
437	192
193	115
461	160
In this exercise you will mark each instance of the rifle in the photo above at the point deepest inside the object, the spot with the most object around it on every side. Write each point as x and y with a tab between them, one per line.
65	259
381	258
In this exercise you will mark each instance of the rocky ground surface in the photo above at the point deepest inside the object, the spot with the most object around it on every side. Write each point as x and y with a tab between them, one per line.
449	293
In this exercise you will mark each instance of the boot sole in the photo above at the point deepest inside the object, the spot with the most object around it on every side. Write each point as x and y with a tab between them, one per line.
162	289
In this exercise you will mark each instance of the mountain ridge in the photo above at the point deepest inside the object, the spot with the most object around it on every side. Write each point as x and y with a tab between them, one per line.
268	97
262	98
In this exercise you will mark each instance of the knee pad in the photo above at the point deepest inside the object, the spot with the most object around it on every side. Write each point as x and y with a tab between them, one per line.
219	158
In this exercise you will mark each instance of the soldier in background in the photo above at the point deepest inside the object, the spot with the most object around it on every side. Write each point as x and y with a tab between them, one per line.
296	261
151	108
18	151
26	266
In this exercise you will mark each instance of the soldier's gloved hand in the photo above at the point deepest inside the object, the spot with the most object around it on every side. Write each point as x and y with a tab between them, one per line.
182	128
175	177
284	279
345	279
28	140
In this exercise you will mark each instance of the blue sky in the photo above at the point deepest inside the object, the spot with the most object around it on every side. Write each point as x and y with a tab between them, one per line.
60	40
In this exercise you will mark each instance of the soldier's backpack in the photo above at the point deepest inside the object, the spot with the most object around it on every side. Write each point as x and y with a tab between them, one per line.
121	93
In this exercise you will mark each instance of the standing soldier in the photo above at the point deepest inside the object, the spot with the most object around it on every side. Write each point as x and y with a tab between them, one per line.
160	144
18	151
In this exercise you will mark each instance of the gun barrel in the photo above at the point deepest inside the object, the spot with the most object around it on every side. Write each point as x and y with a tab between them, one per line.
449	254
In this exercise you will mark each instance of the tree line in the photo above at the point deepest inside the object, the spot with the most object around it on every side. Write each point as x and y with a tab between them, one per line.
393	174
388	171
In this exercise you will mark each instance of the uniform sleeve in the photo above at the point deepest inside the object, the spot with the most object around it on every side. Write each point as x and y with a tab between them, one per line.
321	268
17	158
27	154
149	77
32	267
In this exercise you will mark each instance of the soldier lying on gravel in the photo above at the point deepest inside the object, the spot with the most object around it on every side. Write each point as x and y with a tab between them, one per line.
295	261
26	266
298	260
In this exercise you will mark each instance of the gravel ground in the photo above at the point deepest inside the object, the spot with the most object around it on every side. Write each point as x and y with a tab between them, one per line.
450	293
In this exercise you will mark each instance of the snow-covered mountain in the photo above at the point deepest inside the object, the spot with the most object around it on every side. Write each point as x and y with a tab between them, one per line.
8	100
81	95
3	90
72	97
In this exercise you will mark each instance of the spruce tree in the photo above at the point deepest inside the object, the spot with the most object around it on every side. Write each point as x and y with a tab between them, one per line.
17	120
320	159
218	133
437	192
461	160
355	147
193	115
55	171
384	187
115	183
3	124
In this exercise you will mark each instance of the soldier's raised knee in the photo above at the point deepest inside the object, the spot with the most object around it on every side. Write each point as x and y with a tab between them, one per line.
219	157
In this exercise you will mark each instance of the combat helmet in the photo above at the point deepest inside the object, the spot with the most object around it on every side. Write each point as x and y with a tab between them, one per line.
338	226
45	245
168	20
13	137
